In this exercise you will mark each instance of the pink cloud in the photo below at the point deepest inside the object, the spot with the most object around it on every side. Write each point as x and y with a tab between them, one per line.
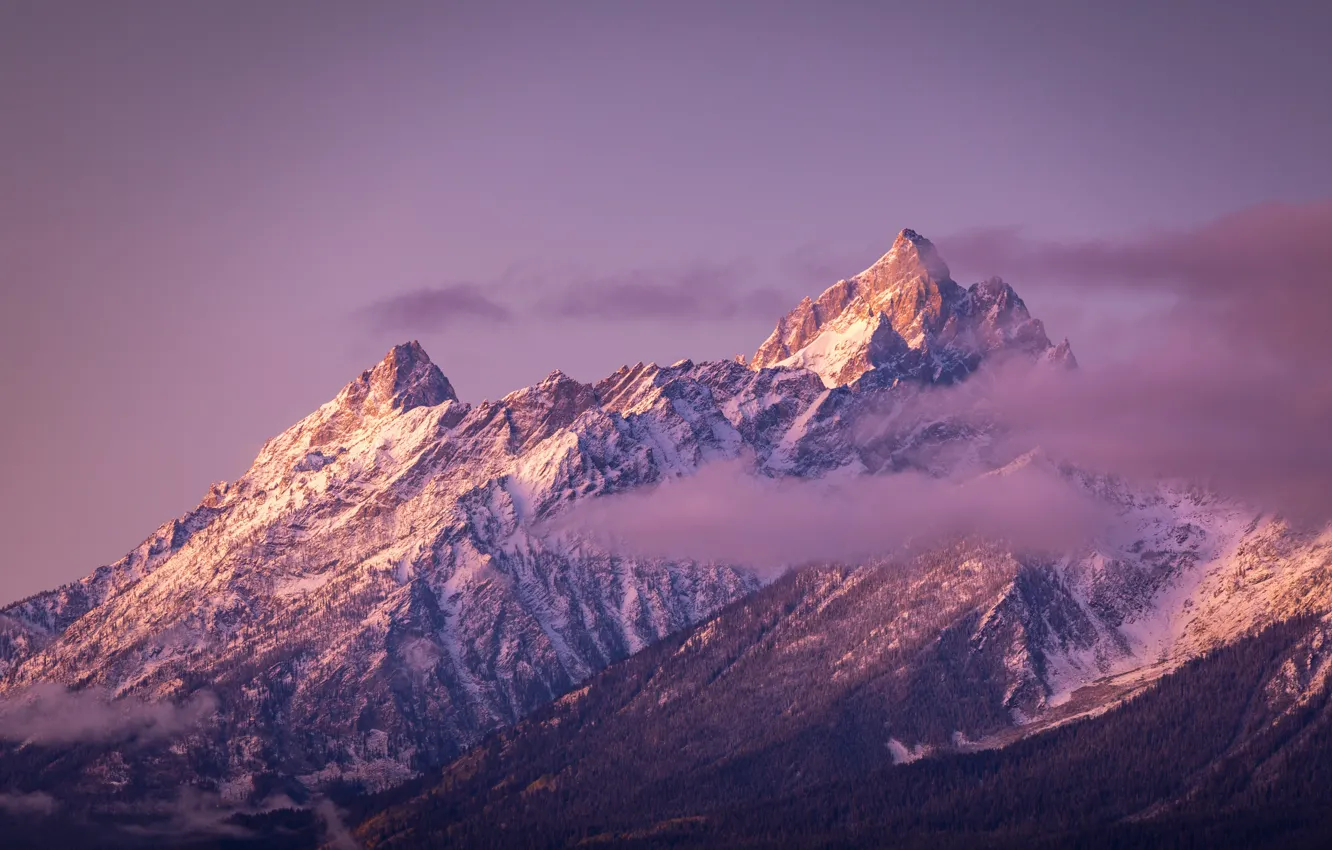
725	513
1229	383
436	307
1225	382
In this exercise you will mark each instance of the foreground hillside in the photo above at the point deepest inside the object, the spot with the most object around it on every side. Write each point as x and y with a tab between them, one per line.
1230	750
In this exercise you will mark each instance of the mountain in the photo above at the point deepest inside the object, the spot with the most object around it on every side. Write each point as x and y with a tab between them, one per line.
372	596
906	316
382	589
368	598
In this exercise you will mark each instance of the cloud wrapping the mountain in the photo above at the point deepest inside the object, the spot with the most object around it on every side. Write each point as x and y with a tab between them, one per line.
725	513
49	714
1230	384
1227	385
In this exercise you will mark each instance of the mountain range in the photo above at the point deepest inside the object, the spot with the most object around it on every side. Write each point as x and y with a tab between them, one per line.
385	609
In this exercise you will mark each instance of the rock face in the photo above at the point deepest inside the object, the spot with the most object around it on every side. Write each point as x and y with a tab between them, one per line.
906	316
371	596
709	740
380	589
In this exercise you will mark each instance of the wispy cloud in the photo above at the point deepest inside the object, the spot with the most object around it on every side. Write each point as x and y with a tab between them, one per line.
1228	383
36	803
725	513
1261	274
336	833
436	307
699	291
50	714
193	814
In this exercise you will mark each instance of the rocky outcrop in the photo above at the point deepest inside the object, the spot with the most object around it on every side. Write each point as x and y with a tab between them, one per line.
906	317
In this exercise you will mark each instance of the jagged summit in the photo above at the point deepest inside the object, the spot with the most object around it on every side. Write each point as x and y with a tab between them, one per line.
905	318
404	379
914	251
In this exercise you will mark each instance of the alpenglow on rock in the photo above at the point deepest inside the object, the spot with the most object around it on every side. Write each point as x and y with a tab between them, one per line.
906	316
370	597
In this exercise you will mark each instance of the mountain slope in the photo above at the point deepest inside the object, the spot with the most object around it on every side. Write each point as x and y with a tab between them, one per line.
372	582
598	768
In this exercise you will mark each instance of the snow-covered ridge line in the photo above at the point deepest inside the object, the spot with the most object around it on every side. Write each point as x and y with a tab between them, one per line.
372	595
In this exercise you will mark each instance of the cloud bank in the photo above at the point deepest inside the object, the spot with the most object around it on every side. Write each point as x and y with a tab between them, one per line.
725	513
1226	383
1229	385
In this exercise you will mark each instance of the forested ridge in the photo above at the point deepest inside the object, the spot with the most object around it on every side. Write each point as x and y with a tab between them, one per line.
1198	760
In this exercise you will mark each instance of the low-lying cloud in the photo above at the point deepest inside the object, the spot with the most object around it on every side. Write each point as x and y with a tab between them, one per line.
336	833
727	514
196	814
1246	428
193	814
33	804
50	714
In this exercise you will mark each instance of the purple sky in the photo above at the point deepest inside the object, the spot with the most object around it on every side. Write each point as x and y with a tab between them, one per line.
213	215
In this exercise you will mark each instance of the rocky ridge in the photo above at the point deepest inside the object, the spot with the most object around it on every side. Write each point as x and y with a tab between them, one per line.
376	594
905	314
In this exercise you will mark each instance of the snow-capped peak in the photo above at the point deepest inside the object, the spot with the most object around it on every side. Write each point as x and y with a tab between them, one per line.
404	379
905	318
911	250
